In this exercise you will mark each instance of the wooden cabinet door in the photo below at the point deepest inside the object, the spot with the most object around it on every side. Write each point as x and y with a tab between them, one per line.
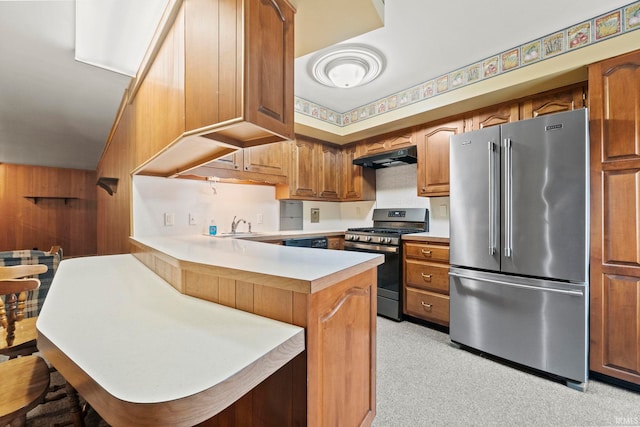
329	172
213	62
614	86
494	116
270	65
303	179
566	99
232	161
268	159
433	157
390	141
357	183
239	64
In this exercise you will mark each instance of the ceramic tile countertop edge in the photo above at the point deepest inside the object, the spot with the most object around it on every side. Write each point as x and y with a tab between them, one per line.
425	237
307	265
143	313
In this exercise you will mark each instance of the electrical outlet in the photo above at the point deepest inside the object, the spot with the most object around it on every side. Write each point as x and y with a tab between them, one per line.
259	218
315	214
169	219
192	219
444	211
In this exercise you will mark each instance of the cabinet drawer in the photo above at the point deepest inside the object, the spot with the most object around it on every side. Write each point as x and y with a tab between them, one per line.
427	306
427	251
427	275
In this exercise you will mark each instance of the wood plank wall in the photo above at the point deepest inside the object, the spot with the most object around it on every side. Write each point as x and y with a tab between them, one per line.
25	224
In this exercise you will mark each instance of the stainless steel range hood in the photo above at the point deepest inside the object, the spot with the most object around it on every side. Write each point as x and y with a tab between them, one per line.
402	156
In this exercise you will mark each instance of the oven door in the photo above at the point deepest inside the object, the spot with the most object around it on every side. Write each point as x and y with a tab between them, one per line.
389	277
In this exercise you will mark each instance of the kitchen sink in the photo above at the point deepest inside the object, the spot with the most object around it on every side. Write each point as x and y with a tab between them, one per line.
239	234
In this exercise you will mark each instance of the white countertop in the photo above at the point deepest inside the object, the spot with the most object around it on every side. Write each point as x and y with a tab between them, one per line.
144	342
304	264
425	235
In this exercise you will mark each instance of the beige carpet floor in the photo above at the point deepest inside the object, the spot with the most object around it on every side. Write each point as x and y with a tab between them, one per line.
423	381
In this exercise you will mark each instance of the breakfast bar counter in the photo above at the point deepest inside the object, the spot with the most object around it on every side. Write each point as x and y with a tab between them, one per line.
143	354
283	267
325	377
329	293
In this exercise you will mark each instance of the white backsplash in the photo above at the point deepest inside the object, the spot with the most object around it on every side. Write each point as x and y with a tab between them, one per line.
396	187
153	197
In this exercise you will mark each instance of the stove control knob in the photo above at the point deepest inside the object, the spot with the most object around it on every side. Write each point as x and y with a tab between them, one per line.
355	238
368	238
386	240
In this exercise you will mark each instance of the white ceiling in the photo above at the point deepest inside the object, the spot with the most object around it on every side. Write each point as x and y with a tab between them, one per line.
424	39
55	111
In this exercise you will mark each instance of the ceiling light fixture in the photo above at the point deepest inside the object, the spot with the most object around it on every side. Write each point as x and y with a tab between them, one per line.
346	65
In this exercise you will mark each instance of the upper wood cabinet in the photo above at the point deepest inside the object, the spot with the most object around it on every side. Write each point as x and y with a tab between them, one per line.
263	163
329	172
433	157
221	79
614	118
358	183
314	172
555	101
389	141
159	100
239	67
268	159
492	116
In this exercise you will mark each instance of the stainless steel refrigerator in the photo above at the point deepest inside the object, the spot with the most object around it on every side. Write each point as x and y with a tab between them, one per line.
519	243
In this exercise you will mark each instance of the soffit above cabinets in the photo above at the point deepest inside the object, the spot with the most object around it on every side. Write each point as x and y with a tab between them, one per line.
320	24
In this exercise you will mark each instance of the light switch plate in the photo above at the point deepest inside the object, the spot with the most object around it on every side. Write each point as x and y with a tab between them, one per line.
169	219
315	214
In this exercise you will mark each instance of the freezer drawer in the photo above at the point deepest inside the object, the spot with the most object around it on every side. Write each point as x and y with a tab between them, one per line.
537	323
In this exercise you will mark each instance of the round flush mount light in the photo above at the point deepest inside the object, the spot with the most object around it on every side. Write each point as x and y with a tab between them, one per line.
346	65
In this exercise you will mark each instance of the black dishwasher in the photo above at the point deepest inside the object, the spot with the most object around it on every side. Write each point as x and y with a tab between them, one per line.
308	242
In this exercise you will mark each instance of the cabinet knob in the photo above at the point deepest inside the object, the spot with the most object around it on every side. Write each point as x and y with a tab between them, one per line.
425	252
425	305
426	276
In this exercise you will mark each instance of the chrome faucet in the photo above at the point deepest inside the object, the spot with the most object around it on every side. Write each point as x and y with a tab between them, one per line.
234	224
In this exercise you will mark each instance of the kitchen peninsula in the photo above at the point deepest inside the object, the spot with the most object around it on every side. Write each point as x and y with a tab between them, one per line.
331	294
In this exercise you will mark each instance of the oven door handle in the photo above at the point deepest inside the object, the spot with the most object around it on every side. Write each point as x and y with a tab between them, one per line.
372	248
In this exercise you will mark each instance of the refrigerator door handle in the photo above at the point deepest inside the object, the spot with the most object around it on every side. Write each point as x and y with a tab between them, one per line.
517	285
508	202
492	195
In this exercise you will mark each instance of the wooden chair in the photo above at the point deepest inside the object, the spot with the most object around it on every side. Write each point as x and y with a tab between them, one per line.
18	339
24	381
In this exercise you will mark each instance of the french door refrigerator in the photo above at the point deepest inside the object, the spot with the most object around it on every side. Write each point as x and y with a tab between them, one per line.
519	243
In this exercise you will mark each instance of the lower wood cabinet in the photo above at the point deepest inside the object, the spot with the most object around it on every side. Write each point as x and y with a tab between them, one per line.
335	242
428	306
426	280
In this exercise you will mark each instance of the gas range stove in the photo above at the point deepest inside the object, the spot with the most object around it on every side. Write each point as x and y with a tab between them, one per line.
384	238
389	225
